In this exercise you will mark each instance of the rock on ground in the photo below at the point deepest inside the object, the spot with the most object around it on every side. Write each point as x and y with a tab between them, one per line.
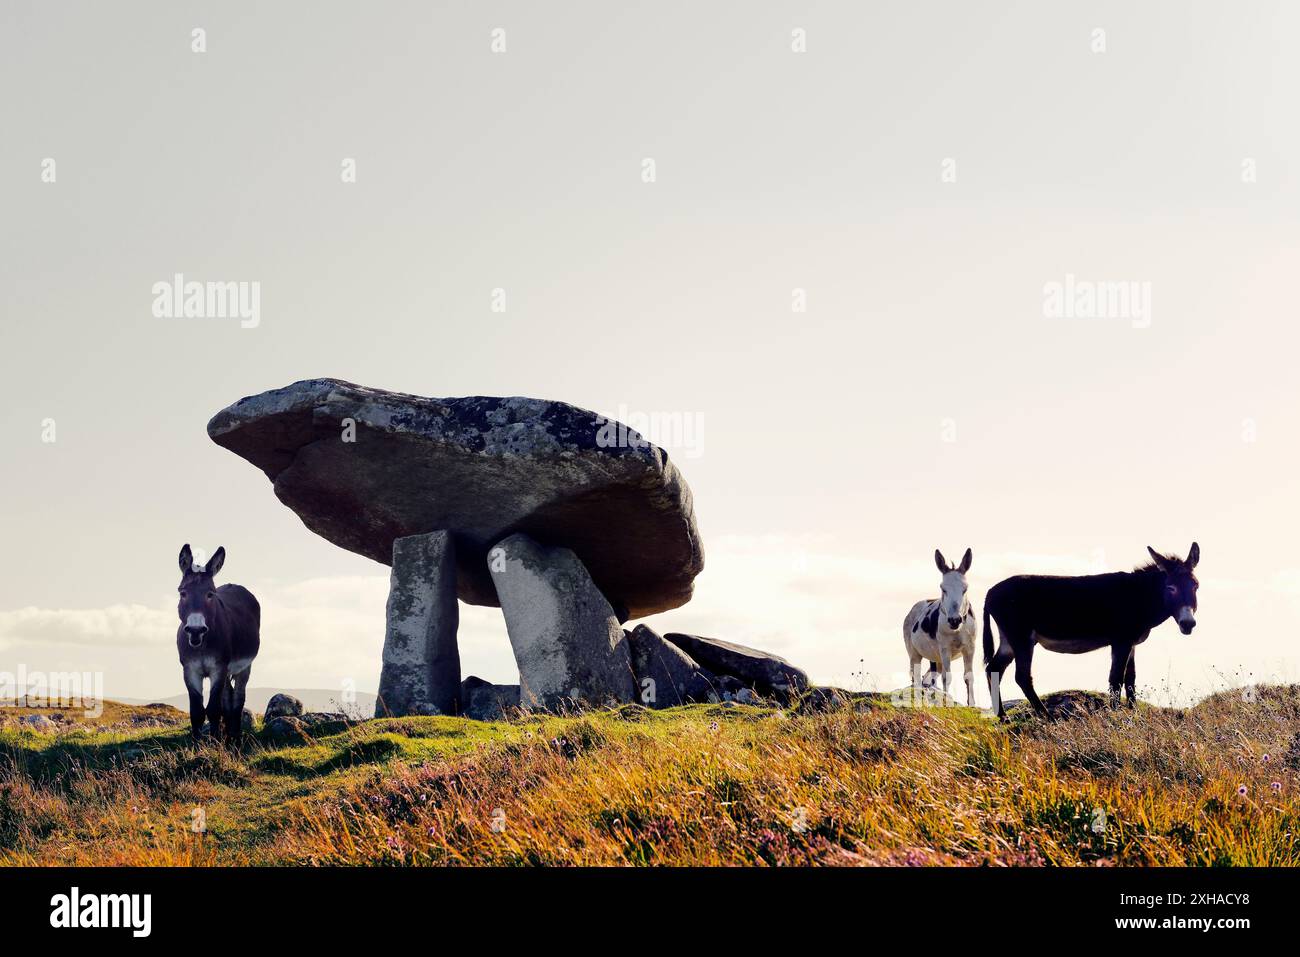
666	676
484	701
1060	704
567	640
302	727
285	728
421	671
767	673
482	468
726	688
282	705
822	700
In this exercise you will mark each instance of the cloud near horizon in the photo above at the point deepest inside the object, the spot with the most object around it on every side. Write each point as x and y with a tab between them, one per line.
847	612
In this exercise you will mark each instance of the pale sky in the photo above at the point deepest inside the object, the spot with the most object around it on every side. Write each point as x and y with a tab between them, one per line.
924	399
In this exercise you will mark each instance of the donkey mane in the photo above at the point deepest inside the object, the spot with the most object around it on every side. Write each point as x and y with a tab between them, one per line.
1151	566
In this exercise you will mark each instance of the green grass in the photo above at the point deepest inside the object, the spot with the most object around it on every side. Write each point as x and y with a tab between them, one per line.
704	784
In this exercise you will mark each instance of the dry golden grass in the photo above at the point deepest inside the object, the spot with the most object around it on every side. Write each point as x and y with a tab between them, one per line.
1214	784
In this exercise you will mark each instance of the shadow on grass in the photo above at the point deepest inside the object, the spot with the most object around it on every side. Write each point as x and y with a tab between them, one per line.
295	763
162	761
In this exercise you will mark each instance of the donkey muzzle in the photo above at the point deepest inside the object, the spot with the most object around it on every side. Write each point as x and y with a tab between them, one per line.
954	622
195	634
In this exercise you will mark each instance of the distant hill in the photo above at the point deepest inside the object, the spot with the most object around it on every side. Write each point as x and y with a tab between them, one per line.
313	699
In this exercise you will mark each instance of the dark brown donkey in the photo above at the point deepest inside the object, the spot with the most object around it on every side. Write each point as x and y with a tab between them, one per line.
218	640
1077	615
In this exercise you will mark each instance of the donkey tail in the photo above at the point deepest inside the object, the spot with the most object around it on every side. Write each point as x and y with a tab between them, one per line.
988	633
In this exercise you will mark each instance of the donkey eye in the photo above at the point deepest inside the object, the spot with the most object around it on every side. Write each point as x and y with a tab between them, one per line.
182	592
211	595
1172	589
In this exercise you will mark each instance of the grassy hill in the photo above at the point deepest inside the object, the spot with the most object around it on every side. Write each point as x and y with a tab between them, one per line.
869	783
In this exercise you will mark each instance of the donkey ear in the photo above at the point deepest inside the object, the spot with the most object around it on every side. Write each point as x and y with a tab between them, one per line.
216	561
964	567
1158	559
186	559
941	562
1193	555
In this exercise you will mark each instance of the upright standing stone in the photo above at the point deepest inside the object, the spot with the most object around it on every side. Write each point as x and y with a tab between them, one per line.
421	673
567	639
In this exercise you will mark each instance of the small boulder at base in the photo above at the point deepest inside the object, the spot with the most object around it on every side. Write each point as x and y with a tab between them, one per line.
567	640
725	688
666	676
819	700
766	673
282	706
321	723
484	701
285	728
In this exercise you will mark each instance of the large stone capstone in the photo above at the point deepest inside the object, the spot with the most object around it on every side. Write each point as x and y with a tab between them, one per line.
567	641
362	467
421	672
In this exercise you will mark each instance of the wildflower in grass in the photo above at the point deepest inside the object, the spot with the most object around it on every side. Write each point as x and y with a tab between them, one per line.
1241	791
1276	786
1266	758
713	726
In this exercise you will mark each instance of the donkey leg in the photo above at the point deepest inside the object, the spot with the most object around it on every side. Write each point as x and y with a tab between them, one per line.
945	666
216	697
995	669
229	731
1024	659
1120	655
1130	680
235	715
968	661
914	666
241	695
194	685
